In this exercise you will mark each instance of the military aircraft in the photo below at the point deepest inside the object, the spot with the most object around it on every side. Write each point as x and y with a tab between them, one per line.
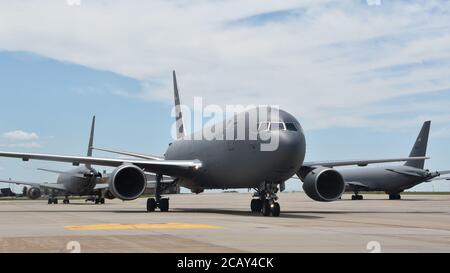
80	181
394	179
221	162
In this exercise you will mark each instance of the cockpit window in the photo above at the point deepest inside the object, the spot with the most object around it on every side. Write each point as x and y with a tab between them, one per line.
291	126
263	126
277	126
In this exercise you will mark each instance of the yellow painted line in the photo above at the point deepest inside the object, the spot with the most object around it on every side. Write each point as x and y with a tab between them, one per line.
142	226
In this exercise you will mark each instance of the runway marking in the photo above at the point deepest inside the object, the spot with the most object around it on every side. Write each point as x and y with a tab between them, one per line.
142	226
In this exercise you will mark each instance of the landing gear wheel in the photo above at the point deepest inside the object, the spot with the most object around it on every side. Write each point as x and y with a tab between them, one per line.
102	201
276	209
50	201
256	205
151	204
55	201
164	204
357	197
66	201
395	197
266	208
97	201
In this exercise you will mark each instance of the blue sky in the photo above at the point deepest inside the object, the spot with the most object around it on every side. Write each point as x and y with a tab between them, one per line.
361	78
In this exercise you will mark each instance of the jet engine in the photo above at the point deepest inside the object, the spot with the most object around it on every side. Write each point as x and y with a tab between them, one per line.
127	182
34	193
324	184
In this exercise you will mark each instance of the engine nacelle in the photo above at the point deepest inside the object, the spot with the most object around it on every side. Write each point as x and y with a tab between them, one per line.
324	184
34	193
127	182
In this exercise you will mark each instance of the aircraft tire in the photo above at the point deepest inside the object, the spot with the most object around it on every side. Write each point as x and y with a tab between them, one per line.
164	204
394	197
276	210
256	205
266	208
151	204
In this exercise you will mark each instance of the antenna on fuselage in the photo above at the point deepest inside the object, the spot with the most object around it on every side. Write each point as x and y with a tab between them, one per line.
178	113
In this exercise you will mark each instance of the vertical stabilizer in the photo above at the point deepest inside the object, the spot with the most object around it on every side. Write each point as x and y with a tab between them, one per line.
420	147
91	138
178	113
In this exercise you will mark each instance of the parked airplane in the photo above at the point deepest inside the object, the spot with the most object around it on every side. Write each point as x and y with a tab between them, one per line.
394	179
81	181
219	163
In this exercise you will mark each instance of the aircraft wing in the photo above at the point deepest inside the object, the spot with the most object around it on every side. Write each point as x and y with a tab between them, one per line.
52	186
167	167
360	163
142	156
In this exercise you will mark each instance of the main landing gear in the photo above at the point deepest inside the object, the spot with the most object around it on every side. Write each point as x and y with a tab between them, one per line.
265	200
66	200
158	201
96	199
356	196
52	200
395	196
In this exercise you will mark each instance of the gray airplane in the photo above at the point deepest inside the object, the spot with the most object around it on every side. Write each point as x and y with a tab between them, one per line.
81	181
394	179
222	163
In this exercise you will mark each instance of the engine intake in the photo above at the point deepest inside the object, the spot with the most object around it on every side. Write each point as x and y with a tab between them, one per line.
34	193
127	182
324	184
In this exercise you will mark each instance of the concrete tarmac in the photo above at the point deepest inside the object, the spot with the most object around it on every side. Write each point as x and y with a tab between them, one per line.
223	222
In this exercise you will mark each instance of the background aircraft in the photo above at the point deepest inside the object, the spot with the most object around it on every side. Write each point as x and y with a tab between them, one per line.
394	179
197	163
81	181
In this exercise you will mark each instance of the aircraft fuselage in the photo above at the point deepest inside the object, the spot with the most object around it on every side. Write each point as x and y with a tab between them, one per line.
241	163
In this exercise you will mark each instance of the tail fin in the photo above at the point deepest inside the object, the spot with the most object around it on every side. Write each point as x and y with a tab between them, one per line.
420	147
91	138
179	115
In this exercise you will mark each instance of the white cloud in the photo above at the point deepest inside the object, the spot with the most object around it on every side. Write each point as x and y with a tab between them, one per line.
22	145
373	2
20	135
322	62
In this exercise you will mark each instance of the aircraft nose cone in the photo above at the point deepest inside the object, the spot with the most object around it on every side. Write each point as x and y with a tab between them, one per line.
290	153
293	146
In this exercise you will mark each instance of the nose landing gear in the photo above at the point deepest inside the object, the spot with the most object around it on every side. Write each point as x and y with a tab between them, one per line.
265	200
